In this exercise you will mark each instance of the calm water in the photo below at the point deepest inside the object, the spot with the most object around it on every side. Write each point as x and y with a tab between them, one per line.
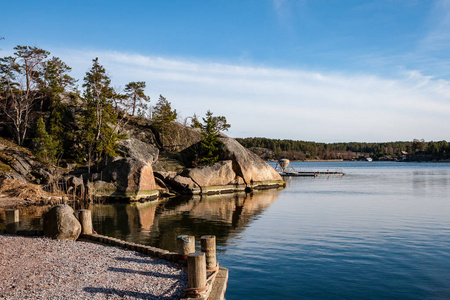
382	231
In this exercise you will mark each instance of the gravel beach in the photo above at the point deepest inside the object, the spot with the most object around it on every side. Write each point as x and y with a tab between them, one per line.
41	268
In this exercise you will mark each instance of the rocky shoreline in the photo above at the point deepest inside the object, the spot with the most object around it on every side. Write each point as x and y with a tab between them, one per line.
42	268
142	172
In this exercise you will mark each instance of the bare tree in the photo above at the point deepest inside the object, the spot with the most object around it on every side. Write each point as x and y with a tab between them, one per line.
19	86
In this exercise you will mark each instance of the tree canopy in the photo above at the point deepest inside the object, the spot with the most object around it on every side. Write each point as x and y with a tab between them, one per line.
98	120
210	127
136	100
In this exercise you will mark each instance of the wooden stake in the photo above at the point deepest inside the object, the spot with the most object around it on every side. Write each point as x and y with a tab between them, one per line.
196	270
185	244
85	217
12	220
208	246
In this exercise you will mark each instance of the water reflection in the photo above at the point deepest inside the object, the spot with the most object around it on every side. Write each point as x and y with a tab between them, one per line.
30	217
159	223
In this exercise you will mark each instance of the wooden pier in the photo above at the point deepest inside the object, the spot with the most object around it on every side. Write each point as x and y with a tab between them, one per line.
311	173
284	168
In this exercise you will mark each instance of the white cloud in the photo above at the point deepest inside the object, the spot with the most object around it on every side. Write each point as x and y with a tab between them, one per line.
282	103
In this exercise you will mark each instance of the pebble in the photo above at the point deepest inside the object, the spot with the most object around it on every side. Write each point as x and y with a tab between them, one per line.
41	268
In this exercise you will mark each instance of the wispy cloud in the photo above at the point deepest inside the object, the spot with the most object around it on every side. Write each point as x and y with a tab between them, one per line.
283	103
438	37
287	10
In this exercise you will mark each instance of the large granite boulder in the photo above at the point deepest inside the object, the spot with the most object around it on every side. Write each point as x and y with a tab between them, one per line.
60	223
220	173
248	165
129	177
203	180
125	178
238	169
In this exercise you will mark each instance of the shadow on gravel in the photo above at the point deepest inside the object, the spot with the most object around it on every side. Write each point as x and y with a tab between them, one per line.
122	293
145	273
148	260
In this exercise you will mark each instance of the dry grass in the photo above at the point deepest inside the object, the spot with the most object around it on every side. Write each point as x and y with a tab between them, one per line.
9	145
16	188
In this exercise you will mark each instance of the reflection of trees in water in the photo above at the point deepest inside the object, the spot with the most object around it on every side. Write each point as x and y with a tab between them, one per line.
159	223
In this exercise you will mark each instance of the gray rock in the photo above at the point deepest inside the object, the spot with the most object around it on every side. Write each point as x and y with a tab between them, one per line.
126	177
160	183
183	185
237	169
73	185
164	175
74	181
60	223
220	173
247	164
22	165
179	137
138	150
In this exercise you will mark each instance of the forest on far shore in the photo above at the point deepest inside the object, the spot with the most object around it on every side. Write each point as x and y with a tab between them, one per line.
416	150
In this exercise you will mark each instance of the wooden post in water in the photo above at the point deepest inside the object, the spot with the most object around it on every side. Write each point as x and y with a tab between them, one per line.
196	270
85	217
185	244
208	246
12	220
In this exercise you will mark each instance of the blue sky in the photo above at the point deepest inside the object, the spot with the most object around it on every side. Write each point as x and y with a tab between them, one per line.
314	70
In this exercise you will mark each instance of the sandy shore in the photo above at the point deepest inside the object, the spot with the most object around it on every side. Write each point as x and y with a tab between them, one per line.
41	268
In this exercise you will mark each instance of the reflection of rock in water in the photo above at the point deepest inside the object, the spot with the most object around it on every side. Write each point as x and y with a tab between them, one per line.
235	210
159	223
142	215
221	215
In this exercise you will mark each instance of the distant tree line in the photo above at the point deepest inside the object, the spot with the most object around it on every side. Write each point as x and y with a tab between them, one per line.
416	150
42	108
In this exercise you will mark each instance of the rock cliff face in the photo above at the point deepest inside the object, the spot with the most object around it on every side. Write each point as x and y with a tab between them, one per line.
129	177
125	178
132	176
19	163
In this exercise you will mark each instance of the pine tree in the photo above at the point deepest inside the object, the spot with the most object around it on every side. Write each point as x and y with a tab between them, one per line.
136	100
210	127
98	137
163	113
163	116
47	148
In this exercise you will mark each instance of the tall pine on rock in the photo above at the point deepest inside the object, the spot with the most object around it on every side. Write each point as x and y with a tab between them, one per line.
98	121
47	148
210	127
55	82
163	116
